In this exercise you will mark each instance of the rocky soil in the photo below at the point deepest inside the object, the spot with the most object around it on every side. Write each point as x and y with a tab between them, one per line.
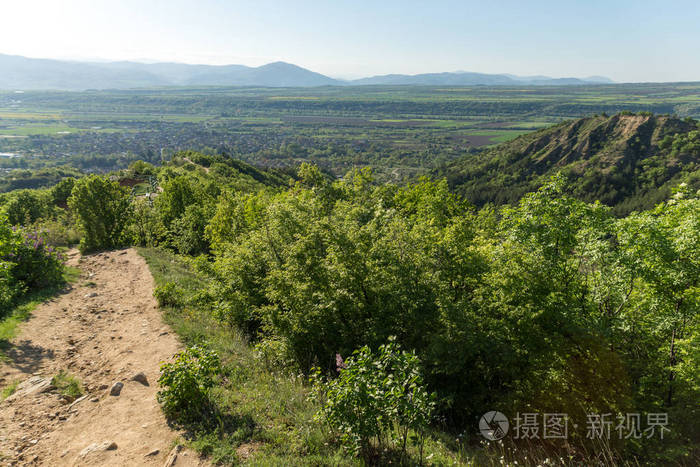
106	331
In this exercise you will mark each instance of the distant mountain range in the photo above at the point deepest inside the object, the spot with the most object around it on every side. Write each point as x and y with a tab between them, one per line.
18	72
463	78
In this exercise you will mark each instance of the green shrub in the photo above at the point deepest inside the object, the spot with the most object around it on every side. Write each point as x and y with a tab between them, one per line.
377	400
62	190
177	194
103	211
37	265
58	232
141	168
8	242
146	229
169	294
25	207
273	353
26	263
185	383
187	231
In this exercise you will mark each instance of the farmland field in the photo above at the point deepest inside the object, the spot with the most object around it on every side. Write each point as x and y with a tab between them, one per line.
399	130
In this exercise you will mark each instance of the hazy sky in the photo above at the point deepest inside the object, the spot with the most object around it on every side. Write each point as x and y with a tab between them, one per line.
626	40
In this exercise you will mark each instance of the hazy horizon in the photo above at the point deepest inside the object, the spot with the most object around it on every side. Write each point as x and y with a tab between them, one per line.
147	61
626	42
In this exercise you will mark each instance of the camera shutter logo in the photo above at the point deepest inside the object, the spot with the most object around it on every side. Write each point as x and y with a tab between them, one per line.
493	425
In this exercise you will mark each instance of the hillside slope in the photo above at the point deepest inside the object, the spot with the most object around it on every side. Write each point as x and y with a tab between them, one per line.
627	161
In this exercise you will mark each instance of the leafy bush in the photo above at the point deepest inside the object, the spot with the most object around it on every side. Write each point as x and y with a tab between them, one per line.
26	262
187	231
103	211
378	398
62	191
147	228
169	295
185	383
178	193
58	232
273	353
542	306
8	242
25	207
141	168
36	264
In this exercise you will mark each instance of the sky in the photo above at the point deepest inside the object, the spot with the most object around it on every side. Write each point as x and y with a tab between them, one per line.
628	41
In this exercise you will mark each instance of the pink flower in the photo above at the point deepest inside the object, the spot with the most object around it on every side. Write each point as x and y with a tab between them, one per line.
339	363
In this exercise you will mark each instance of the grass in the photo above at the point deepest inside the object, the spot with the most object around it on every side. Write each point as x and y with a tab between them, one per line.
141	189
8	390
260	407
22	310
67	385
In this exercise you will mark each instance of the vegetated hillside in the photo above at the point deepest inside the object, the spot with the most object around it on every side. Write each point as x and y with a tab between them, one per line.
220	169
411	312
629	161
20	179
223	171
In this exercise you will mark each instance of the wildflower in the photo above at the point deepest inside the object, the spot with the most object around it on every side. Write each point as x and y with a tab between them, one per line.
339	363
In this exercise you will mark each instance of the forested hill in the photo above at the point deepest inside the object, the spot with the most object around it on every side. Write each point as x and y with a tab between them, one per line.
629	161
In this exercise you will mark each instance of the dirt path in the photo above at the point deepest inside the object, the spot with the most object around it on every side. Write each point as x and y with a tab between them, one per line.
105	329
187	159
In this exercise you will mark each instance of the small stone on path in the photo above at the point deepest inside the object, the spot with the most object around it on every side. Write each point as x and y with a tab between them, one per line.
94	447
141	378
116	388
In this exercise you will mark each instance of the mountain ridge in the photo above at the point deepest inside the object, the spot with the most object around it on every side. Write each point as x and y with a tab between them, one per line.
466	78
23	73
627	161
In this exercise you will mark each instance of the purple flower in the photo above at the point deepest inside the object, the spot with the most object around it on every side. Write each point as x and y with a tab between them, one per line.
339	363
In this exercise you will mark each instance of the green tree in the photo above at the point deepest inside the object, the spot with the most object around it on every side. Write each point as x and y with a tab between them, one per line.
178	193
665	246
147	227
103	211
25	207
62	190
187	231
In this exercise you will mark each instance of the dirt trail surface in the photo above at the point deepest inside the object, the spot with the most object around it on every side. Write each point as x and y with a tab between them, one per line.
104	330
